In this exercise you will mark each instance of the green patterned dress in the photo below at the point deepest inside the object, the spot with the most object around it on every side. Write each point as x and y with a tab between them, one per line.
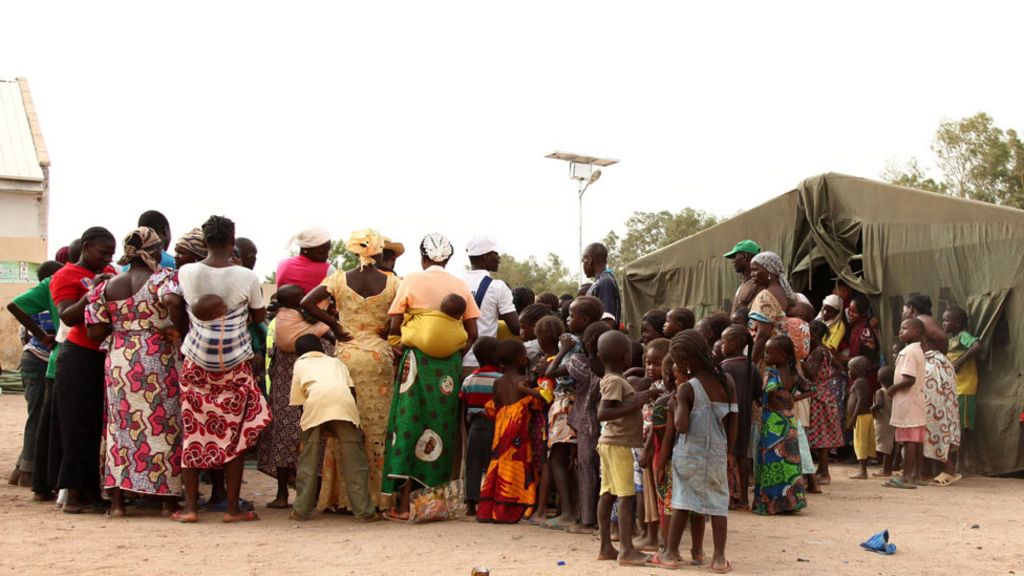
778	484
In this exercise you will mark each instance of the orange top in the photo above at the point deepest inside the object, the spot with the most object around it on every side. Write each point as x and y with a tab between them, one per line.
428	288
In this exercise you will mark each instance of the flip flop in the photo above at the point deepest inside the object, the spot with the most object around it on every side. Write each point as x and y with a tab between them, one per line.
657	562
956	478
554	524
245	517
897	483
180	516
395	517
725	570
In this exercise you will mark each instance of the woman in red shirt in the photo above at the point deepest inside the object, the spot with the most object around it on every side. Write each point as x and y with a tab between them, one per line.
78	387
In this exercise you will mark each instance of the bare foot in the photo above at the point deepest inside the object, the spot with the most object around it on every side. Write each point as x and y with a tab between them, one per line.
279	503
824	480
116	512
608	554
881	475
185	517
697	557
240	517
721	566
859	476
581	529
633	558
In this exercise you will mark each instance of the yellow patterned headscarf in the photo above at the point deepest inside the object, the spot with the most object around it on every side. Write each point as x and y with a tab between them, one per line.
365	244
137	244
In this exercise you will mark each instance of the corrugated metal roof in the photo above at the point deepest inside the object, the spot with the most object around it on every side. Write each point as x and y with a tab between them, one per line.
18	157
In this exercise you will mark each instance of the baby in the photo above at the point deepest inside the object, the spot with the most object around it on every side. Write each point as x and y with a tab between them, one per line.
454	306
209	307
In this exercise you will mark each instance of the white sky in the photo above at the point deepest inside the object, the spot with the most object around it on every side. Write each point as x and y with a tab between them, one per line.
429	116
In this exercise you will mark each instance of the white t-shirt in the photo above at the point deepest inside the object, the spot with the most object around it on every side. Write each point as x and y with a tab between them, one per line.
497	302
236	285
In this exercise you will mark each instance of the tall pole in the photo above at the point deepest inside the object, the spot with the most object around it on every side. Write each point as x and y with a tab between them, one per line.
579	257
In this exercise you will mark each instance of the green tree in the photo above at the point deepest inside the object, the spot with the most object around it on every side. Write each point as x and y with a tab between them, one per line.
978	160
649	231
551	275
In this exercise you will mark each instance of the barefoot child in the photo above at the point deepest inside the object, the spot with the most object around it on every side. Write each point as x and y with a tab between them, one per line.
858	414
477	390
510	487
881	409
663	432
908	412
654	357
963	352
548	330
705	419
322	386
620	410
748	386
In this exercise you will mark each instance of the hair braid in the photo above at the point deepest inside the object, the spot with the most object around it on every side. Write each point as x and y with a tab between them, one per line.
691	345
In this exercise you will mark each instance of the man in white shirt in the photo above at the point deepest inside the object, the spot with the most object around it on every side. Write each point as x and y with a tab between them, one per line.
493	297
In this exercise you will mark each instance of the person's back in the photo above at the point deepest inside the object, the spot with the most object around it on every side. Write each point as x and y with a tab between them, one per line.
219	342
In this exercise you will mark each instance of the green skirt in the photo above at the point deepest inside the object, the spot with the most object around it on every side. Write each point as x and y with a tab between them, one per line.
423	424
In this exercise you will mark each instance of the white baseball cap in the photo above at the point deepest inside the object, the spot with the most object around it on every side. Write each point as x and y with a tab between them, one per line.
481	244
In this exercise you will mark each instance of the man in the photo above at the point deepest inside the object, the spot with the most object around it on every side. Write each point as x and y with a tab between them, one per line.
605	288
493	297
741	255
386	260
158	222
246	250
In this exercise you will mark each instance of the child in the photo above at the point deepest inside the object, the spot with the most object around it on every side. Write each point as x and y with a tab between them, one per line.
663	431
586	370
787	367
858	414
881	408
748	386
454	306
826	427
528	319
548	331
677	320
963	353
477	390
509	489
561	438
705	419
908	412
654	357
322	386
620	411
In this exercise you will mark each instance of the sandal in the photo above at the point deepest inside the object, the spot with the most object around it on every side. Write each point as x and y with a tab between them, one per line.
657	562
394	516
185	517
897	483
723	570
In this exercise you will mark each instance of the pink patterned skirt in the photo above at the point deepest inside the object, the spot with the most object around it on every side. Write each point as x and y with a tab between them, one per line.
222	414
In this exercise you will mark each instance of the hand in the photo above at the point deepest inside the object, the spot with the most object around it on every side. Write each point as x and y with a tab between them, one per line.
340	334
49	341
648	395
659	473
566	342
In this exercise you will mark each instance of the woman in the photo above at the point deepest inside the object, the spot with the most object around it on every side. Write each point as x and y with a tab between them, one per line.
363	297
861	339
78	388
422	439
942	427
767	315
279	447
310	267
222	410
142	440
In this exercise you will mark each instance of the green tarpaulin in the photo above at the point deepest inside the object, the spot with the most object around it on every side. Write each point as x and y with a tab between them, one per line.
906	242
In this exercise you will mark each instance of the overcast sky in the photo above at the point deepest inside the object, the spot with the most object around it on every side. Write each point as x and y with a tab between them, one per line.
433	116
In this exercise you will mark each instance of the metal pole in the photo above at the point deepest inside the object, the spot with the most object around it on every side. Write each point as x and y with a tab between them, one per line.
583	188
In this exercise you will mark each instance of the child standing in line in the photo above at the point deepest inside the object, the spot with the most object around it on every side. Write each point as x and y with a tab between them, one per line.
620	410
908	411
826	427
510	487
705	420
747	378
663	432
654	357
561	437
881	409
548	330
322	386
477	390
858	414
963	353
586	370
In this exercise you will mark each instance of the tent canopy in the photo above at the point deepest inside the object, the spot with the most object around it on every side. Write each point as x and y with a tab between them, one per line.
905	242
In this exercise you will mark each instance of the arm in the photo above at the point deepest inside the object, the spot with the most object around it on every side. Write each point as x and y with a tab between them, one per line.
471	331
565	345
72	312
175	305
971	353
30	325
637	372
936	334
813	361
732	419
684	399
98	332
645	452
879	402
525	390
668	438
851	406
311	304
905	381
512	321
612	409
764	332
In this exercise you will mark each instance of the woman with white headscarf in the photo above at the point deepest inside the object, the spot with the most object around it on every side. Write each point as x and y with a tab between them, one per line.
363	296
422	442
309	268
767	315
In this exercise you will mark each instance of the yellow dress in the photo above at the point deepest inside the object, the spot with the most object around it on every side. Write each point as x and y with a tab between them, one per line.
369	361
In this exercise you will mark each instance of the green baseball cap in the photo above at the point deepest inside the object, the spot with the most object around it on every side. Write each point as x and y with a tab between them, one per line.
748	246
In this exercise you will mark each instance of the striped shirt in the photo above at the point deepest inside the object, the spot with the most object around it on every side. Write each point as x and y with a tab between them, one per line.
221	344
478	389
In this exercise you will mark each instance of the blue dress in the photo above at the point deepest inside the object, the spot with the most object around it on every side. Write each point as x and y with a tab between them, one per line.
700	482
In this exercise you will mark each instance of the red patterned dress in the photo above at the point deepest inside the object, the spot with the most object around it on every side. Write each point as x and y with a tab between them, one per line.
510	488
142	451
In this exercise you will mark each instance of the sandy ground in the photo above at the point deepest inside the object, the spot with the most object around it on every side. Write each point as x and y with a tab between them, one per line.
932	528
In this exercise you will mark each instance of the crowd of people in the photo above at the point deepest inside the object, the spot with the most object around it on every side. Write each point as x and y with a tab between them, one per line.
382	397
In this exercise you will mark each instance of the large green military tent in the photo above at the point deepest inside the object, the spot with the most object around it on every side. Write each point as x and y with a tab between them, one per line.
889	243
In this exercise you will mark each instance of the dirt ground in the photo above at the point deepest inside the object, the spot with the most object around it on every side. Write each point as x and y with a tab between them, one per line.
974	527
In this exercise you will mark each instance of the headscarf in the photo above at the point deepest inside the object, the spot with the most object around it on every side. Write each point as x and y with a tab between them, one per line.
146	238
193	243
834	302
310	238
62	255
436	248
366	244
771	262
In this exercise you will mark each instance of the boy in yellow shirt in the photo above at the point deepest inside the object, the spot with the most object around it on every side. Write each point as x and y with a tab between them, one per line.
963	353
